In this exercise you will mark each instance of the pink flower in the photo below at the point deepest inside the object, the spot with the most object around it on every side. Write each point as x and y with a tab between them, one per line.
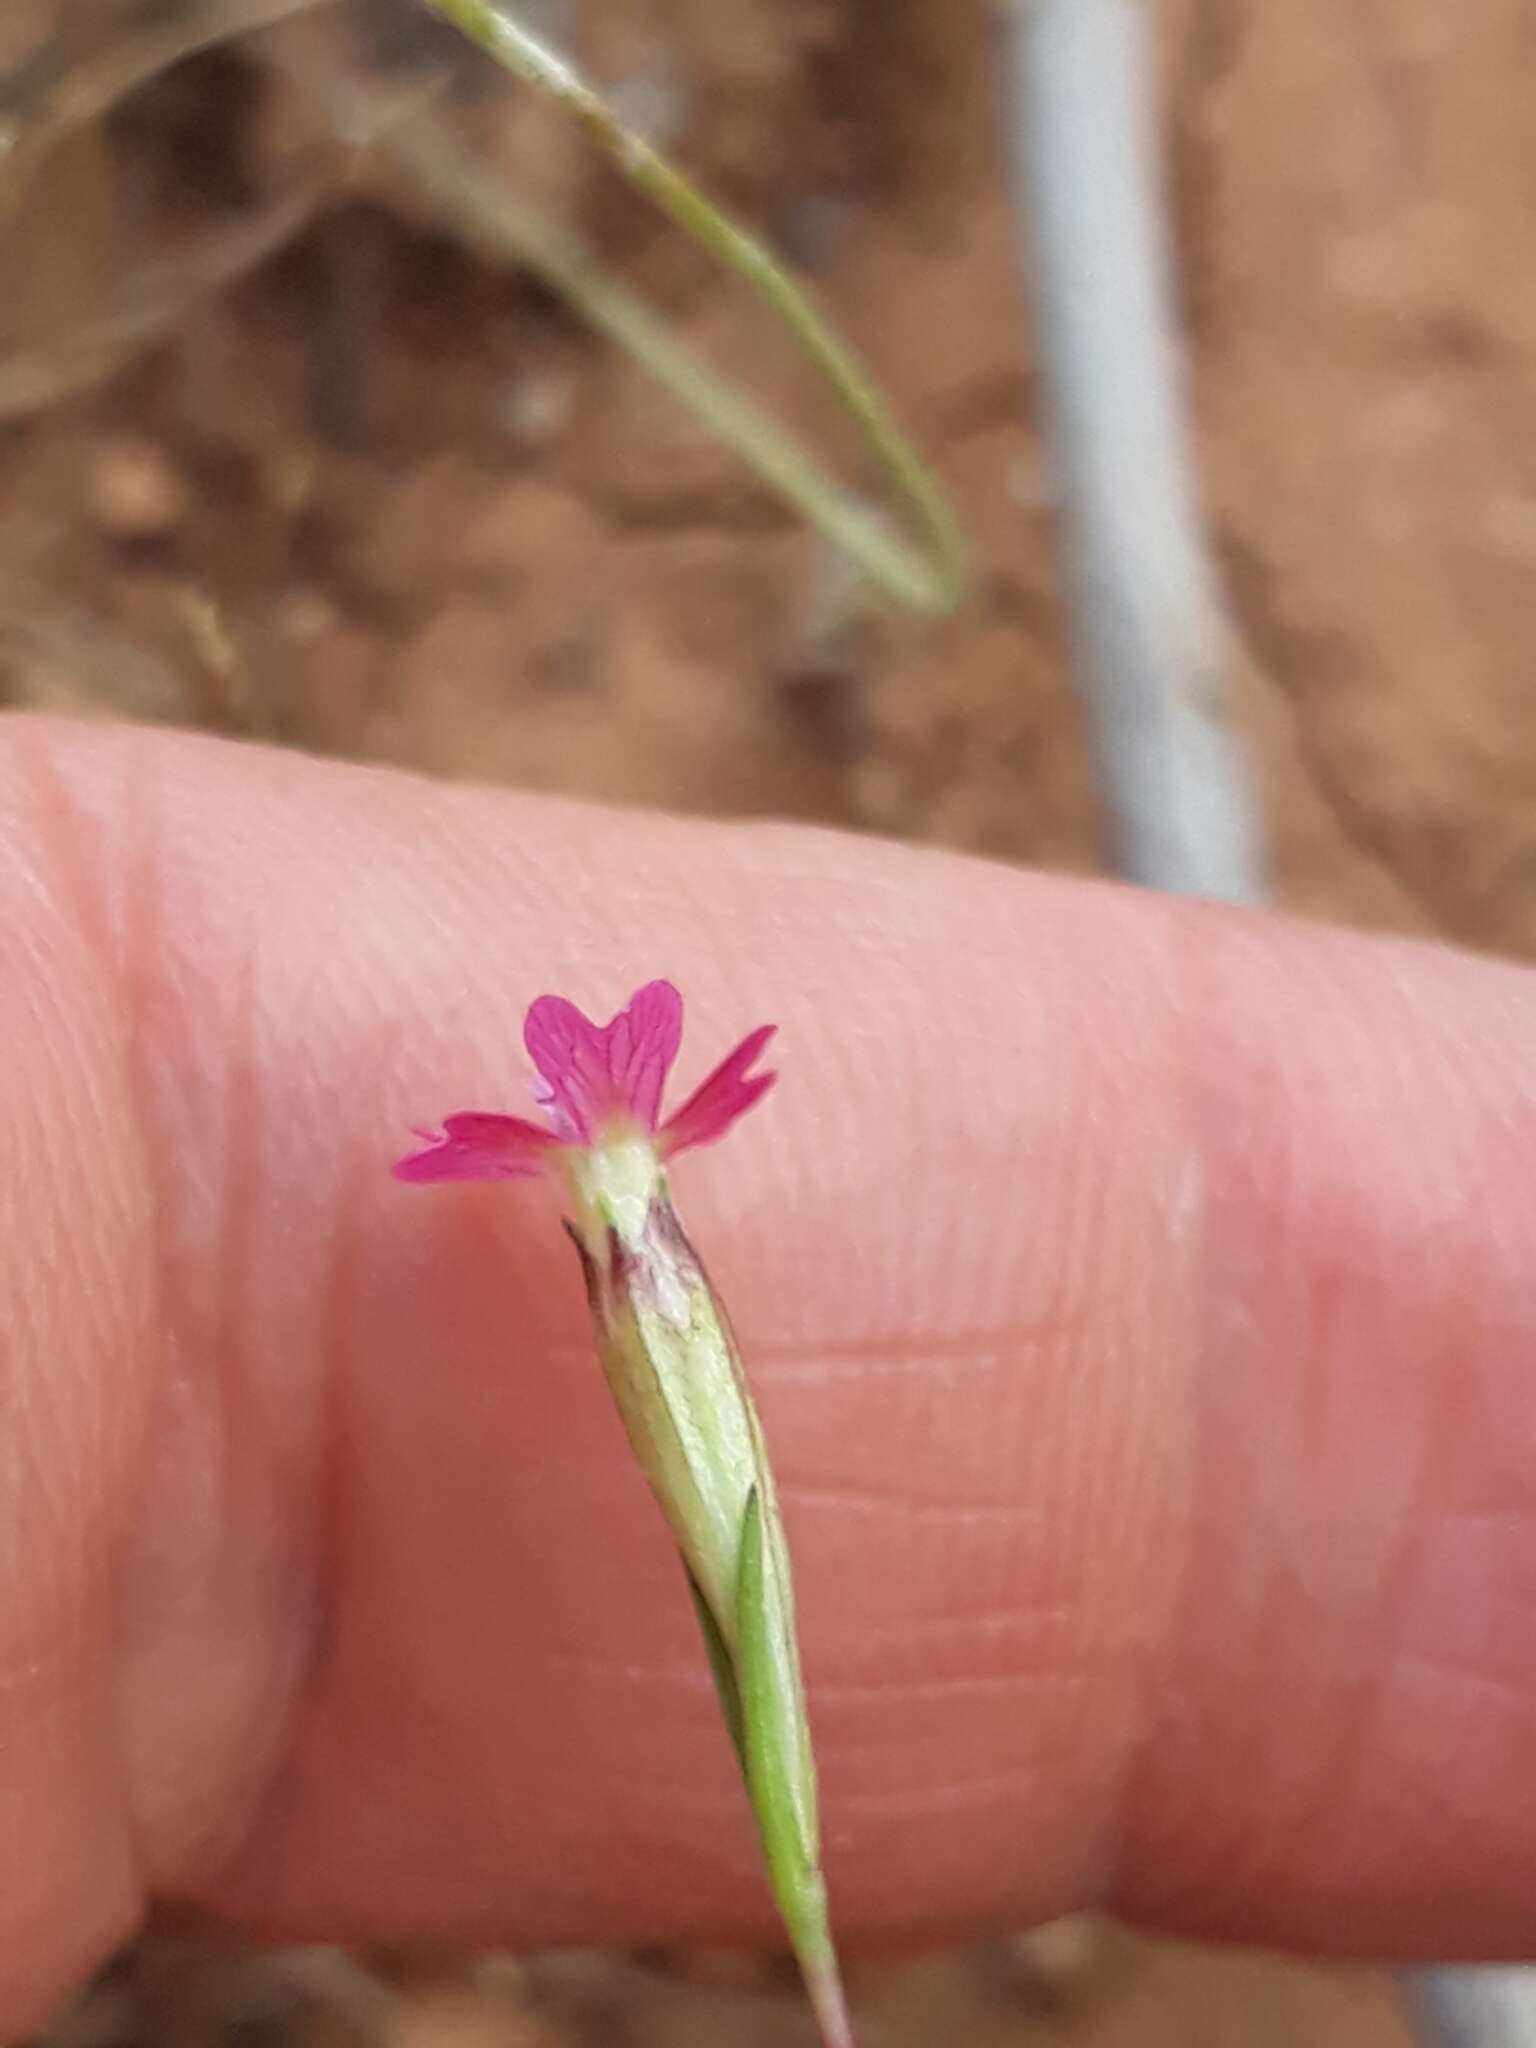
597	1082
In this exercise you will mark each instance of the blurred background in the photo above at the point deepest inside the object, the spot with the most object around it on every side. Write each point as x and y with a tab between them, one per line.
295	445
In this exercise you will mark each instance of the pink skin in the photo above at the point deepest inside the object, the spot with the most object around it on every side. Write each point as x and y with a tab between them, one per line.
595	1079
1139	1297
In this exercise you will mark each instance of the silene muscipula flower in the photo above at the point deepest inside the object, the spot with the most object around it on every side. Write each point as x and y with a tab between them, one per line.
671	1360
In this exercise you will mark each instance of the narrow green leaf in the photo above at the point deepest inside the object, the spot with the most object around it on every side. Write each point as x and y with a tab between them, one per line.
773	1713
781	1776
724	1671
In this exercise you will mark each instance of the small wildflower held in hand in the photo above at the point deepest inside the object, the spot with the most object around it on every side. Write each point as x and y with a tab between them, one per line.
672	1363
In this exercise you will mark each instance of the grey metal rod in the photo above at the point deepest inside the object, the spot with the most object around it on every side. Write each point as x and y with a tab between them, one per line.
1475	2006
1152	648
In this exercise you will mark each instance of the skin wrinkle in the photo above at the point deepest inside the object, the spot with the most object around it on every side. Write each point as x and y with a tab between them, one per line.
1479	1631
177	1811
75	1193
1401	1434
128	839
1369	1711
956	1618
1137	1495
1014	1679
85	855
1163	1690
185	1595
445	1766
880	1346
862	1501
1465	1419
1315	1818
1230	1860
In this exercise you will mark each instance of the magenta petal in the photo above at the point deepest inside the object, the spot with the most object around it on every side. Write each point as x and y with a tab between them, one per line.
728	1093
572	1058
642	1044
591	1072
476	1145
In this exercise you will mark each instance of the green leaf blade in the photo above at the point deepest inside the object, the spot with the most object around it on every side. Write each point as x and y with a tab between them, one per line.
780	1772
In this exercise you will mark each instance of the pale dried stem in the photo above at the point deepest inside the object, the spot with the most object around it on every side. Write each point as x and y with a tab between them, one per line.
922	563
67	86
42	632
159	299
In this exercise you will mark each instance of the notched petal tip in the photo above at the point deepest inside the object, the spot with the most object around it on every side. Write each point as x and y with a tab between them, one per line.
642	1043
478	1145
721	1099
590	1073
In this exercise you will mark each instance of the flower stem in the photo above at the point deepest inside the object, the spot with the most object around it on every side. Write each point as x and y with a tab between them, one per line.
824	1988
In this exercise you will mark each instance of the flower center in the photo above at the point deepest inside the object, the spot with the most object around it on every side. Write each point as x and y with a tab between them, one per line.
612	1185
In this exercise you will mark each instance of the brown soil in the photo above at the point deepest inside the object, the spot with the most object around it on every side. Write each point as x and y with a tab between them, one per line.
380	496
